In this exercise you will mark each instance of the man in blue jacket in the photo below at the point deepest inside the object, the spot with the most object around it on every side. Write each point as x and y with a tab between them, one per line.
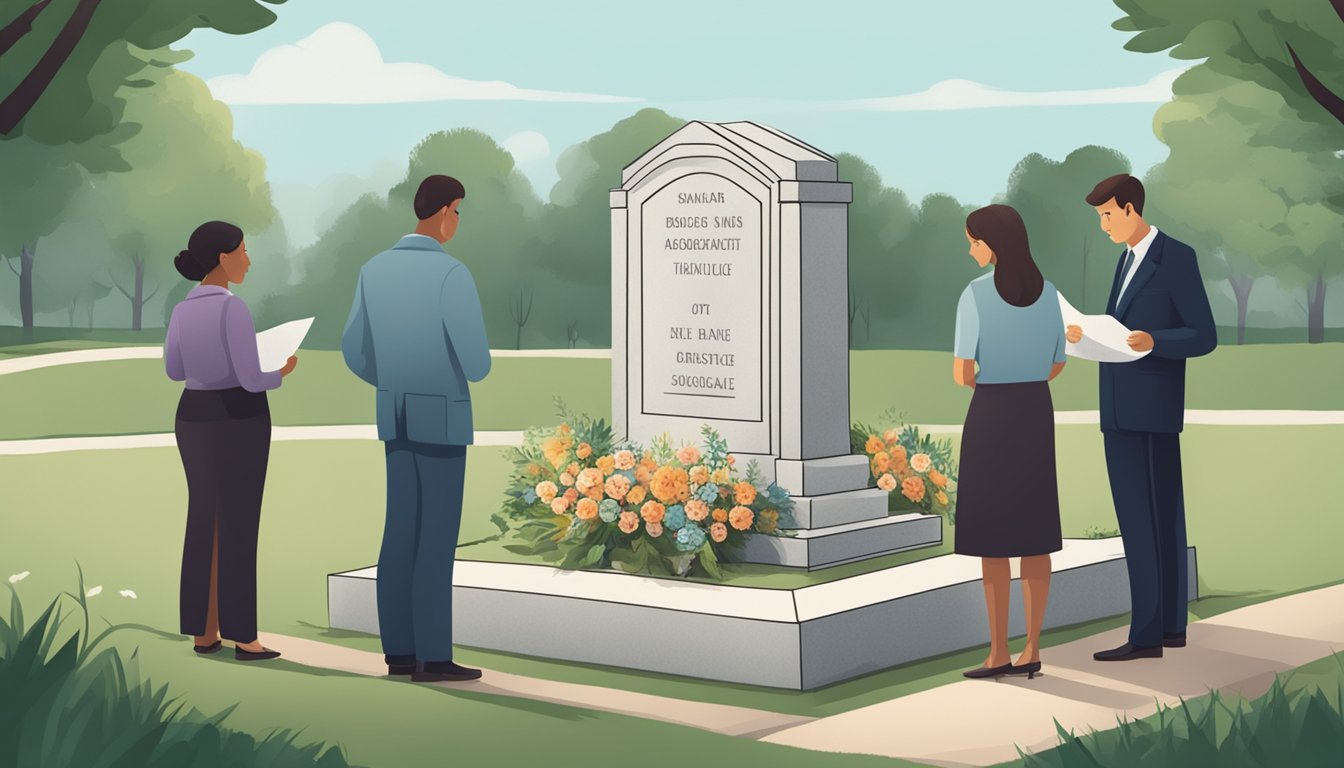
416	334
1157	293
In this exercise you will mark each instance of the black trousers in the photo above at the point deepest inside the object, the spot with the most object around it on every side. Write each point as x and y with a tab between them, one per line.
1146	486
224	438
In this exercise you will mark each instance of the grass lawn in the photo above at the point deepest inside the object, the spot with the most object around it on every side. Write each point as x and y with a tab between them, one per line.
133	396
122	519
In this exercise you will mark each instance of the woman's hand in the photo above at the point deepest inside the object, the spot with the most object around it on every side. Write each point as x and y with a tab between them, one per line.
289	366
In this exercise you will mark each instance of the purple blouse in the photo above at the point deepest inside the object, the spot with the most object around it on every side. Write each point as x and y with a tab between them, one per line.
212	343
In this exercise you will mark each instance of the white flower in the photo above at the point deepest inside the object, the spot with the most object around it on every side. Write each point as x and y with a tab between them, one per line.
128	593
16	578
96	591
921	462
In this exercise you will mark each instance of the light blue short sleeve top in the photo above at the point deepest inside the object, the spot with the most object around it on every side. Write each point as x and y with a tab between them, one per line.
1011	344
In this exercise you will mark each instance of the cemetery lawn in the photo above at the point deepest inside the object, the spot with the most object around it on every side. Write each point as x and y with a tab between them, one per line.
134	397
1260	506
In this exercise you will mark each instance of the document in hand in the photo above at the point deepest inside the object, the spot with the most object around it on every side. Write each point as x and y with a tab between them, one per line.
1104	337
276	346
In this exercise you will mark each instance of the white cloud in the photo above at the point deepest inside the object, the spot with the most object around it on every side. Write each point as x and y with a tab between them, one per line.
527	147
341	64
968	94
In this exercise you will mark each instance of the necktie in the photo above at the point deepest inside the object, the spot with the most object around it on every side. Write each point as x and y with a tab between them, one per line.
1124	272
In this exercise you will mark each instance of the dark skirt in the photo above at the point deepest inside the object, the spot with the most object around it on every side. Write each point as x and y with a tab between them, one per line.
1007	494
224	438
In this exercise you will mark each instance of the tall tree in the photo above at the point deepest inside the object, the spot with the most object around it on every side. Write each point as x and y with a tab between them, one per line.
879	219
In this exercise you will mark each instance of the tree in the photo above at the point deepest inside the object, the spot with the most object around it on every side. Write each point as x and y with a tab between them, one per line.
880	217
930	270
1247	183
1071	250
186	169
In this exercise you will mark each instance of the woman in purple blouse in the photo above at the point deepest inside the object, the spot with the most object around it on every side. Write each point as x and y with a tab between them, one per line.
223	430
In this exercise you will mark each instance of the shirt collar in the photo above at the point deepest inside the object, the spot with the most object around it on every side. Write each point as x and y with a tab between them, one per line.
1141	250
418	242
207	290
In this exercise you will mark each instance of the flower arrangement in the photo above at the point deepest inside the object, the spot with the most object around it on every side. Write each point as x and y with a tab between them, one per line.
581	501
917	471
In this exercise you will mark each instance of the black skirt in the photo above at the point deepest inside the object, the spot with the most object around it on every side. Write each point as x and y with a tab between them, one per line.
1007	492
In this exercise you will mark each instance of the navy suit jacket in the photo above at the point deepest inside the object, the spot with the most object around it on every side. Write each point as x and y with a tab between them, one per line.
1165	298
416	332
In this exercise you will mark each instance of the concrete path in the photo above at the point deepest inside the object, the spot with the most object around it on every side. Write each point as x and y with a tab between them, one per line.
34	362
718	718
983	722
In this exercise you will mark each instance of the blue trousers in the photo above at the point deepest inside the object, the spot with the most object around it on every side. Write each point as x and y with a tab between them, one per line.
415	565
1146	486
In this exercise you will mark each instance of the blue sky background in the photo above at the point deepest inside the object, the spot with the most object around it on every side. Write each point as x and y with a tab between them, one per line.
783	63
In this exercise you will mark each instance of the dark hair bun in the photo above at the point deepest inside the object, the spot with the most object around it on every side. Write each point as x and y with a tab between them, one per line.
189	266
203	249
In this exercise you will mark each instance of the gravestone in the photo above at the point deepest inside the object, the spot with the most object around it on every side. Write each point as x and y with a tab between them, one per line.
730	309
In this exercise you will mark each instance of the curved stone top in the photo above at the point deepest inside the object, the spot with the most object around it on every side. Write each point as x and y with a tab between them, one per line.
773	153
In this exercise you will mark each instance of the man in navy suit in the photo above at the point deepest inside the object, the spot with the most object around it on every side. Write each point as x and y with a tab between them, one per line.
1159	295
416	333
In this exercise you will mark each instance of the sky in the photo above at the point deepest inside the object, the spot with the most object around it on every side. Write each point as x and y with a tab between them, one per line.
942	96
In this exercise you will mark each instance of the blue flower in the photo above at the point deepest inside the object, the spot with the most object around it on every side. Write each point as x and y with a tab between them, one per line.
530	496
709	493
691	538
675	517
609	510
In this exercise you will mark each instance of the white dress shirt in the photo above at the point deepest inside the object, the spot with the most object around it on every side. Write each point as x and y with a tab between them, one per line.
1140	251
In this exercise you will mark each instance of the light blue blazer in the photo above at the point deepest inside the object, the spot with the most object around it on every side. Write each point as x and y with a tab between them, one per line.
416	333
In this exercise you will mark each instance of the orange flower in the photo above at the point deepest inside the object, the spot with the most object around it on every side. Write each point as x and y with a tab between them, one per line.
921	462
533	470
606	465
586	510
546	491
912	488
573	468
583	451
891	436
732	460
941	498
652	512
741	518
887	483
566	479
560	505
744	493
720	515
571	495
699	474
718	532
643	475
629	522
588	479
618	486
556	450
696	510
595	493
899	466
688	455
881	462
898	453
624	460
648	463
938	478
670	485
721	476
635	495
768	521
564	429
873	445
654	529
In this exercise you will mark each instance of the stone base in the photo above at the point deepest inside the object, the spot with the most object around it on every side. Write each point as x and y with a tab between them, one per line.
797	639
840	544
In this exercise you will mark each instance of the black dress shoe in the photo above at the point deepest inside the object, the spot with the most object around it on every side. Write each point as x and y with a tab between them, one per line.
1129	652
1173	641
443	672
263	655
207	649
400	665
1029	670
986	672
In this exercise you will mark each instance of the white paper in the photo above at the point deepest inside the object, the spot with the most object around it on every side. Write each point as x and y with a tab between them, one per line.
276	346
1105	339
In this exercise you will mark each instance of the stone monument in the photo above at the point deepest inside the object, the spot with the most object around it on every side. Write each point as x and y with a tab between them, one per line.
730	309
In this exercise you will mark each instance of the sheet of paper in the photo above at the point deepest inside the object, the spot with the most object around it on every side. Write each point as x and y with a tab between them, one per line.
277	345
1105	339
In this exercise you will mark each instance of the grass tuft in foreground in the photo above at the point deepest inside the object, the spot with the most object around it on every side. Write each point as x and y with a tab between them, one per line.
64	703
1302	728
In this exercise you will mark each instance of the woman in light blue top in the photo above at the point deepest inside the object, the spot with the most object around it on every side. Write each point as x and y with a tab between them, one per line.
1009	324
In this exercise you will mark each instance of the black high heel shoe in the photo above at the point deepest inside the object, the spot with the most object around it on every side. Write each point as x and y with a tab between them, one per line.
208	649
1029	670
987	672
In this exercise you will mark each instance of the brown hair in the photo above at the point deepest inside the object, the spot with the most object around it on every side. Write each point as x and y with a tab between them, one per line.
1016	276
436	193
1124	188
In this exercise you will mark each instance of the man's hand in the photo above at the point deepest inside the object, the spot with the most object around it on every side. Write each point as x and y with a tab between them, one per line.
289	366
1074	333
1140	341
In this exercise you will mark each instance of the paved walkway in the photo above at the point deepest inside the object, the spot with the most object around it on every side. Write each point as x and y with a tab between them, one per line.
969	723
